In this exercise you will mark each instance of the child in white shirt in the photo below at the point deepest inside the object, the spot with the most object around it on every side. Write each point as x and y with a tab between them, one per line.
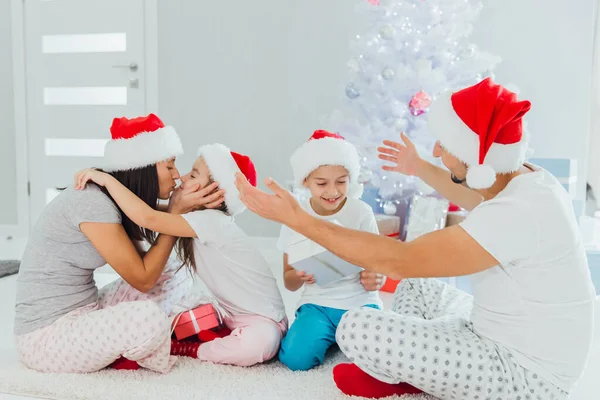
222	255
328	166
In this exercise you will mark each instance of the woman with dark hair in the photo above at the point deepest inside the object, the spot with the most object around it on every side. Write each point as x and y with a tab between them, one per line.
63	322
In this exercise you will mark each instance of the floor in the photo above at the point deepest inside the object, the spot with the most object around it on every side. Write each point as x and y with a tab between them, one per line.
589	384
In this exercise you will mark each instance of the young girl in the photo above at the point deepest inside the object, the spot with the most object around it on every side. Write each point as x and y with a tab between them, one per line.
328	166
222	255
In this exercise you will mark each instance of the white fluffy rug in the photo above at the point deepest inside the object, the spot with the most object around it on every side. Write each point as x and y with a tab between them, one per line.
190	379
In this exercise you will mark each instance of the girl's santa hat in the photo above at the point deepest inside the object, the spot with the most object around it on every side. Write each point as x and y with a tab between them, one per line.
140	142
482	126
223	165
326	148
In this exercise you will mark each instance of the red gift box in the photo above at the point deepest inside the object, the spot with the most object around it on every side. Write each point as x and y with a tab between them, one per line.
191	322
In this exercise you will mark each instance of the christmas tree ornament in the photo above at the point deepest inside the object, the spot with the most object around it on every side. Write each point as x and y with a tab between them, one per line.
387	32
401	125
388	74
469	51
374	2
353	65
365	175
389	208
352	92
419	103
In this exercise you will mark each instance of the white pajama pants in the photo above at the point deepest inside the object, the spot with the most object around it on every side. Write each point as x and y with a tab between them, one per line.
427	341
123	322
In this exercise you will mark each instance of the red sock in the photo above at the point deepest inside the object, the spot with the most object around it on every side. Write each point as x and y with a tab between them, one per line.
208	335
125	364
224	331
354	382
184	349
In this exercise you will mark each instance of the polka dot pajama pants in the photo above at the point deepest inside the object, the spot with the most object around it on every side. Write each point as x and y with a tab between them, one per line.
123	322
428	342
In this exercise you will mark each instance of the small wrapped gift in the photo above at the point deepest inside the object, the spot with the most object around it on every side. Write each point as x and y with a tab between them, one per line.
426	214
191	322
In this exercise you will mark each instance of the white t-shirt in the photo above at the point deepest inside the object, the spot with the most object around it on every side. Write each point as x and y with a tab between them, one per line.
347	293
539	300
232	268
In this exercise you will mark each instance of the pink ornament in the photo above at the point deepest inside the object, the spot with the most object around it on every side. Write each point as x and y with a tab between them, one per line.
374	2
419	103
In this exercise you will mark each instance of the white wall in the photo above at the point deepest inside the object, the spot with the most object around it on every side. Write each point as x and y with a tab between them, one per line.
547	49
256	76
259	76
8	179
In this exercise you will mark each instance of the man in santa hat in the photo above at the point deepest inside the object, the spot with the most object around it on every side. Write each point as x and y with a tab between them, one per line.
526	331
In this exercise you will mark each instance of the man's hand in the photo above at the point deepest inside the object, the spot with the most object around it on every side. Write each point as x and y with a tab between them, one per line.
404	155
280	207
371	281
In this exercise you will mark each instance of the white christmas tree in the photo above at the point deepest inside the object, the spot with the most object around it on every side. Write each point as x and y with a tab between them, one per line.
412	51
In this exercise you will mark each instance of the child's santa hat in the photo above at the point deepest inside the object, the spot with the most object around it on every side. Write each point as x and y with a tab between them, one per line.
482	126
326	148
223	165
140	142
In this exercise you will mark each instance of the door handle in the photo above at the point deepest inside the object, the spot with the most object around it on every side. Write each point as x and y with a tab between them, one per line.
133	66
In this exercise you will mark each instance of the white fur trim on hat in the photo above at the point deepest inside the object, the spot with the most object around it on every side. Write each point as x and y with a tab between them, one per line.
144	149
327	151
456	137
222	168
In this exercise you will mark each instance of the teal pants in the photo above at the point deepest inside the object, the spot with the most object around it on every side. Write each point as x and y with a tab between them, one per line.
310	336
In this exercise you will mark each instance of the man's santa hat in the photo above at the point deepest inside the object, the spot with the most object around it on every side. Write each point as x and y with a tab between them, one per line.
326	148
482	126
223	165
140	142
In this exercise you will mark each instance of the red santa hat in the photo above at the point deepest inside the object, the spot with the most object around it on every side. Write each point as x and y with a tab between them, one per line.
326	148
223	165
482	126
140	142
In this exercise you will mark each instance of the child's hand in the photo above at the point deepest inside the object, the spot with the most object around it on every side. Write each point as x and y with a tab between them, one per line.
371	281
187	198
98	177
306	278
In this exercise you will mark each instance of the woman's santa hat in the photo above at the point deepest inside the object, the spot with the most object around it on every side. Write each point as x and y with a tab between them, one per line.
223	165
482	126
140	142
326	148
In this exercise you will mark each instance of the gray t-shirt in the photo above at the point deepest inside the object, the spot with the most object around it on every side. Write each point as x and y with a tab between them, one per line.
57	271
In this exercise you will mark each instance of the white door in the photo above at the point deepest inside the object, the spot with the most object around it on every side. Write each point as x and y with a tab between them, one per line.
87	62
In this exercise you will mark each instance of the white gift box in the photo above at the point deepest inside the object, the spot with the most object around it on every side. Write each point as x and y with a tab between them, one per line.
312	258
388	225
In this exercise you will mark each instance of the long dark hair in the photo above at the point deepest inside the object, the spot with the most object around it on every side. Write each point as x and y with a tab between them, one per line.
143	182
185	246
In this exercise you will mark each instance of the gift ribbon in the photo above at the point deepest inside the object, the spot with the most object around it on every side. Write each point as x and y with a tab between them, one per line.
194	321
220	311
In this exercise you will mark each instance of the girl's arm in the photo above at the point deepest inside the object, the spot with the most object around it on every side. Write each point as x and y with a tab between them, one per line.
292	278
145	216
113	244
